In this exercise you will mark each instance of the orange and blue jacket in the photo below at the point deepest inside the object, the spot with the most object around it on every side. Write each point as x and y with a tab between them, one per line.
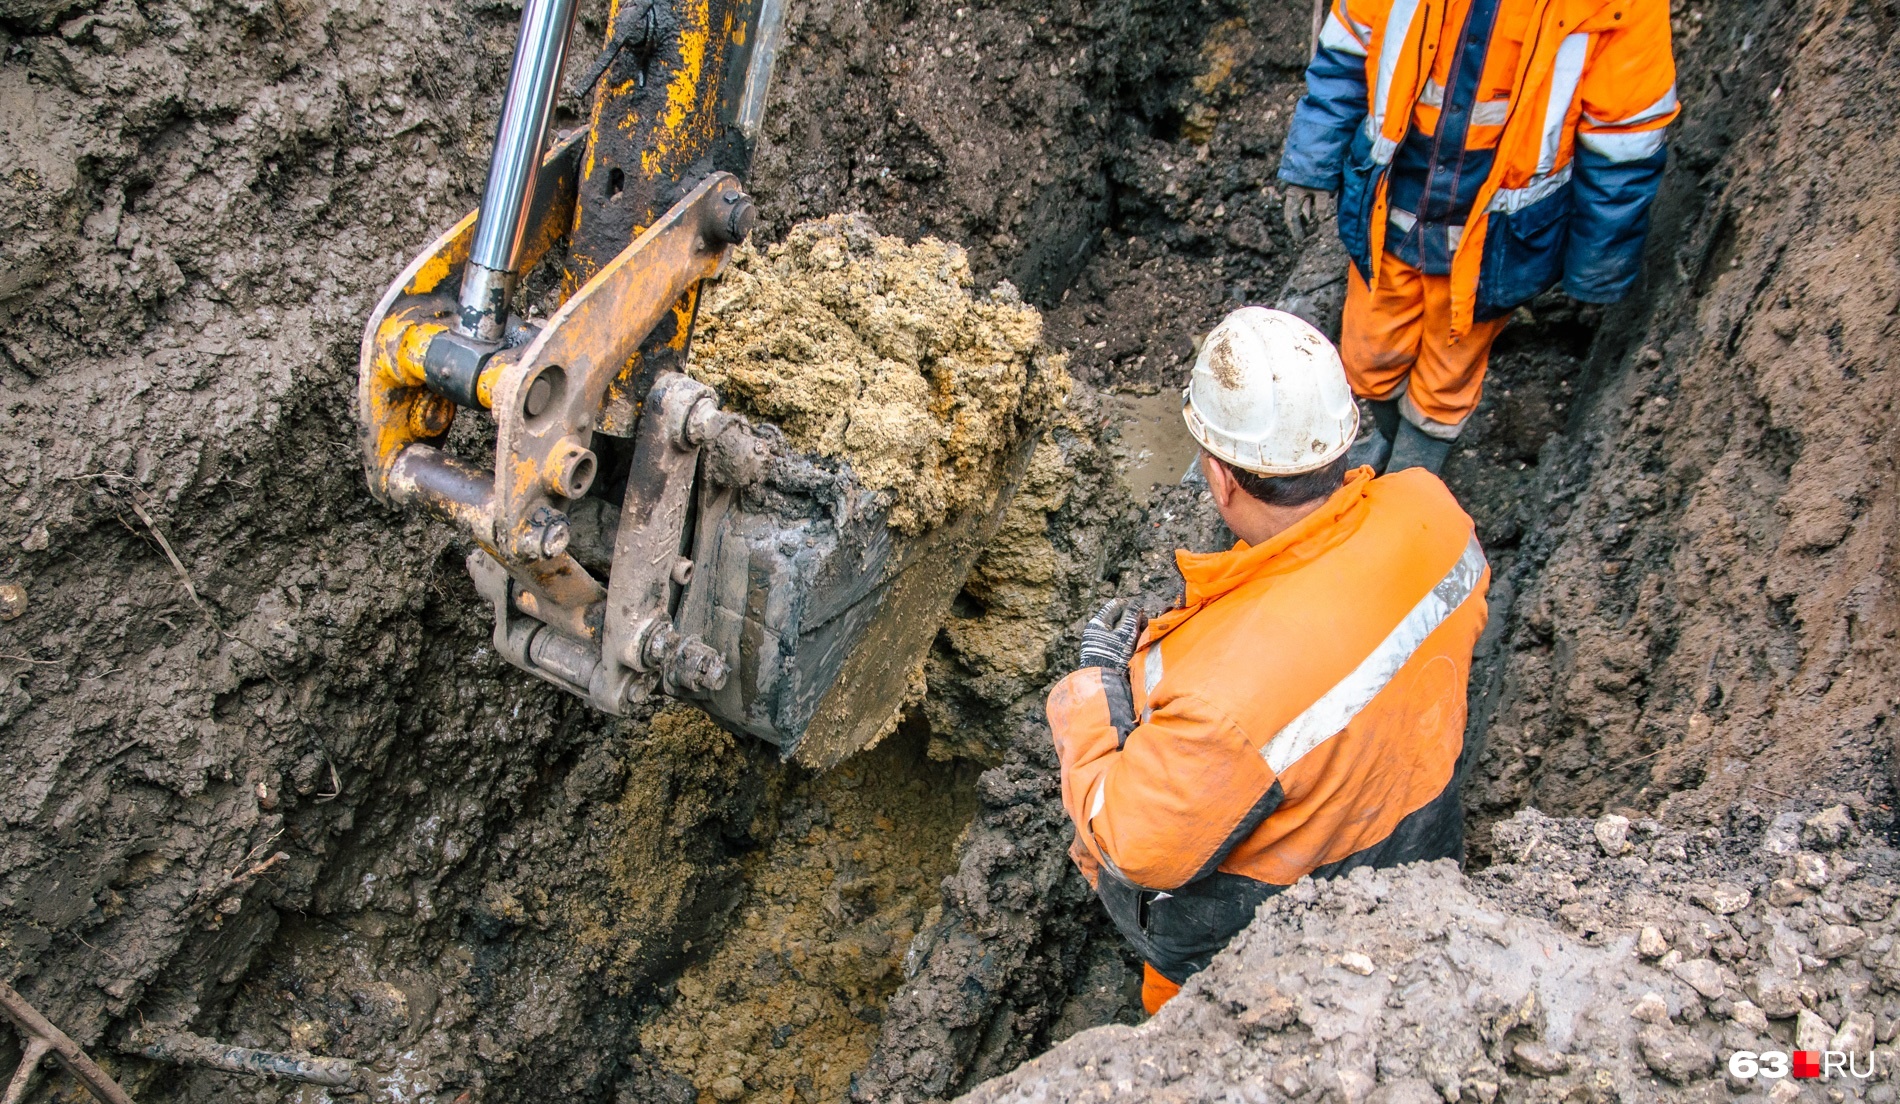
1303	712
1508	144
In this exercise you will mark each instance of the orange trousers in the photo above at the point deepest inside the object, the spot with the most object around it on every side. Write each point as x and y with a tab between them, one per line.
1156	990
1396	342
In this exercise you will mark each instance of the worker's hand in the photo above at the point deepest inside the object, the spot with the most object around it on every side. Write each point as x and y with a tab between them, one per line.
1108	640
1305	208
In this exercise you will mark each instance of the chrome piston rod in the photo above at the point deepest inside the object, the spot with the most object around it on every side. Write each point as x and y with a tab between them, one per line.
489	279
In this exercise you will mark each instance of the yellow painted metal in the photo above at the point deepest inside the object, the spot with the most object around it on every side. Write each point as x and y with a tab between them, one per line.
661	121
646	214
394	408
587	342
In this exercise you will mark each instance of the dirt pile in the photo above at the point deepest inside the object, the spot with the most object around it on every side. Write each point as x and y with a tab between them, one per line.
676	782
862	347
473	937
1584	410
206	202
1604	961
1023	954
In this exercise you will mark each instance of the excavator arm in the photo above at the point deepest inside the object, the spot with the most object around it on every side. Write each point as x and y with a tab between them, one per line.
632	537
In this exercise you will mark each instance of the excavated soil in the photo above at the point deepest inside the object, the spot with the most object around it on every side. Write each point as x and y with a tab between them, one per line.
864	348
226	652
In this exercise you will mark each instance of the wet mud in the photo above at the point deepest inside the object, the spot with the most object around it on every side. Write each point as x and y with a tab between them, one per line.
1152	446
787	1003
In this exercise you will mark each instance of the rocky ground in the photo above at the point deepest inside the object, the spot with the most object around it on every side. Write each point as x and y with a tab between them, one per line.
1604	961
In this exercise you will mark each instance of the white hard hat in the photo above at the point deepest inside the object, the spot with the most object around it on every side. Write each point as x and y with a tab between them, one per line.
1269	395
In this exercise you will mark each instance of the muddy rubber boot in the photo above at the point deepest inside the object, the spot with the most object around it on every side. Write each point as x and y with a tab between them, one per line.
1413	449
1376	447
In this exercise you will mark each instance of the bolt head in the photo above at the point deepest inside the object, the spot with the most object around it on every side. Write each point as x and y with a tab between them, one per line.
738	221
546	534
714	676
554	536
431	415
701	421
698	666
656	646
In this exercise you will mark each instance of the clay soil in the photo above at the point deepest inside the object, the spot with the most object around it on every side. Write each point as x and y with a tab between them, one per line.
788	1002
489	893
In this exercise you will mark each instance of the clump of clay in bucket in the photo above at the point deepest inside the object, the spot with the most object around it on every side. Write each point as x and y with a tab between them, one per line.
862	347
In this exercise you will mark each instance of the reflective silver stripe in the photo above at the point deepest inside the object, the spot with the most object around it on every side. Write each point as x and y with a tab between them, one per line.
1490	113
1649	114
1150	678
1398	24
1335	709
1512	200
1336	36
1401	223
1565	75
1442	431
1622	146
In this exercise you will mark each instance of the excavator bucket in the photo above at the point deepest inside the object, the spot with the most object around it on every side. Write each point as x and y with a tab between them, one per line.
632	537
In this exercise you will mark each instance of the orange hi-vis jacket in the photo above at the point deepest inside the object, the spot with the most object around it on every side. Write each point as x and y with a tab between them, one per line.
1558	77
1302	713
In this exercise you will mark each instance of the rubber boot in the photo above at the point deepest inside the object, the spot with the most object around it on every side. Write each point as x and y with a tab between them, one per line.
1375	447
1414	449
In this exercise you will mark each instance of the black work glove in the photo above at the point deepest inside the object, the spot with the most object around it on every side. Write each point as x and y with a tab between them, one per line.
1108	640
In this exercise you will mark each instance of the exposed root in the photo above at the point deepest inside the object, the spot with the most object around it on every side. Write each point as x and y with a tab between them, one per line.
186	1049
41	1038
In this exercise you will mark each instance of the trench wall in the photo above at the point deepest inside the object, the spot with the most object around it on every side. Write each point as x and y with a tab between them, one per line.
1705	618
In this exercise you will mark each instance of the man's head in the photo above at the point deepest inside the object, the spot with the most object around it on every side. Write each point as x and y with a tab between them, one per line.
1269	403
1286	491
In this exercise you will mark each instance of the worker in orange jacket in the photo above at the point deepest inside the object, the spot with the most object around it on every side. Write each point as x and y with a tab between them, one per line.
1302	712
1482	151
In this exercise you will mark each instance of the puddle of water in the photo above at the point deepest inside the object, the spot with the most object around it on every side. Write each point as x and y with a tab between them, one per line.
1154	446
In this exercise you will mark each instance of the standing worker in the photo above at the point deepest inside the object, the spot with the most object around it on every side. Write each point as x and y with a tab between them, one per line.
1303	711
1510	144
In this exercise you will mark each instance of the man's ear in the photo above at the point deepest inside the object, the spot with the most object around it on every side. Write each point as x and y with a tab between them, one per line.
1220	481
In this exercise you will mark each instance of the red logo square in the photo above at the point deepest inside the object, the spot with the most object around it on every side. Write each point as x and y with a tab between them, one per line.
1807	1063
